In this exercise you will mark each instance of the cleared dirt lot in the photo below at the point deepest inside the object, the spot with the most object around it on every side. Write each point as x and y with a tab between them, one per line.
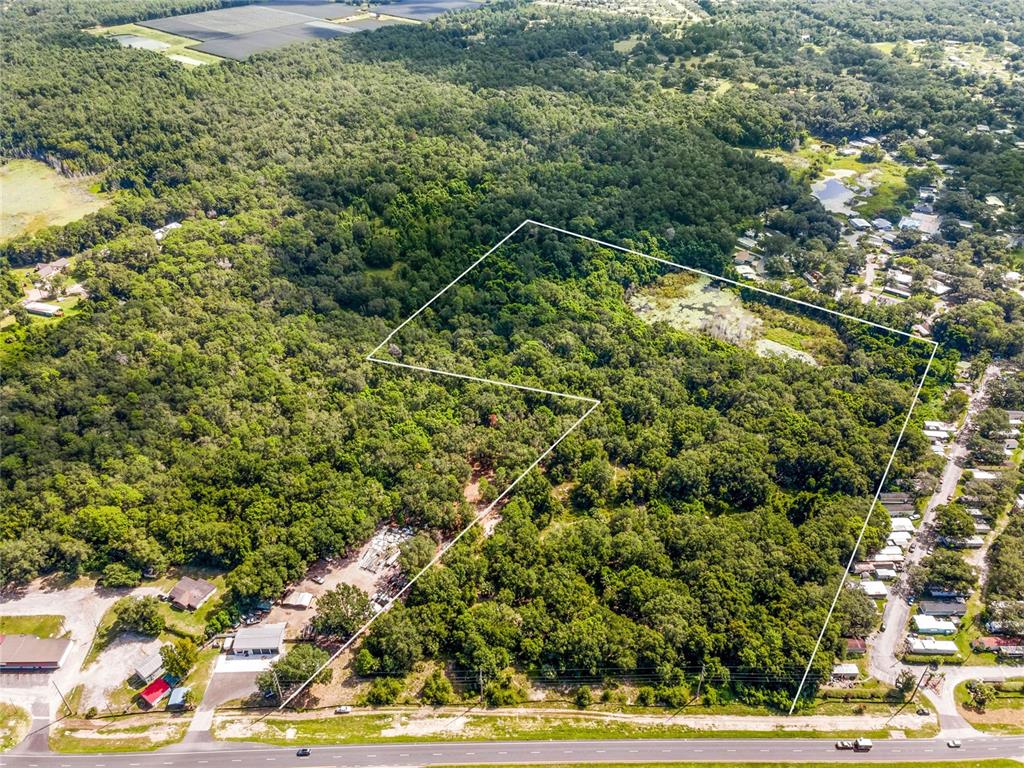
110	670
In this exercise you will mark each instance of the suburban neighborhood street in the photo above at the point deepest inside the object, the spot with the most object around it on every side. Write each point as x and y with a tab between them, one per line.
883	647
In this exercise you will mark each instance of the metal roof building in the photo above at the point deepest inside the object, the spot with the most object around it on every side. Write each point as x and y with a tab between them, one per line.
259	640
31	653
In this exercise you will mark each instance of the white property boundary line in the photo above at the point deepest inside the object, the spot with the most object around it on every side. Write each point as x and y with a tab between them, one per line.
592	405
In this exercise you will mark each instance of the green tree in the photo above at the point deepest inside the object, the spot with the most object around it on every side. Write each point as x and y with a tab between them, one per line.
179	657
583	698
120	575
953	523
138	614
295	667
341	611
944	570
416	553
384	691
981	694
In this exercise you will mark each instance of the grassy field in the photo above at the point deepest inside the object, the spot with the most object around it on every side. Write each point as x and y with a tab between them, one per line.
815	160
176	46
389	728
14	724
33	196
141	733
40	626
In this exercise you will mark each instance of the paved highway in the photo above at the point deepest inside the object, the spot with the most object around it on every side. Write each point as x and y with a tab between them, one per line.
225	755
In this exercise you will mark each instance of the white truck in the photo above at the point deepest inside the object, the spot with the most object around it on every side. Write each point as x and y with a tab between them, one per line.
862	745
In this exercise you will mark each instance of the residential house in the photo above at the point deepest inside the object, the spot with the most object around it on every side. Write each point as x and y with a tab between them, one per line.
162	232
942	608
189	594
930	646
875	589
155	692
846	671
44	271
177	698
855	646
43	309
901	525
927	624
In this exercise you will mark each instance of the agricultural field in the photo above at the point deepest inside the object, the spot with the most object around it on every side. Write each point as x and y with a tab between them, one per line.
34	196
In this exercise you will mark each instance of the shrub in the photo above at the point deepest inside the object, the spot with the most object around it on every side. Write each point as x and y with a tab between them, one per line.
437	690
384	691
645	697
583	697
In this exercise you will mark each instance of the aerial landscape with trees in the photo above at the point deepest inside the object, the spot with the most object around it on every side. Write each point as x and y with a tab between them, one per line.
206	401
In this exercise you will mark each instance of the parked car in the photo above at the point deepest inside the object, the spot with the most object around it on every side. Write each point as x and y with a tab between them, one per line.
319	579
343	710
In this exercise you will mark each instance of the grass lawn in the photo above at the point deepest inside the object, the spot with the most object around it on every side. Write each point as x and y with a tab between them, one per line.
193	623
40	626
14	724
368	729
176	46
1003	715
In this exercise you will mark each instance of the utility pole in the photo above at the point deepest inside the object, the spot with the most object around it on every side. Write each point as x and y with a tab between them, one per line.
277	683
700	682
66	704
